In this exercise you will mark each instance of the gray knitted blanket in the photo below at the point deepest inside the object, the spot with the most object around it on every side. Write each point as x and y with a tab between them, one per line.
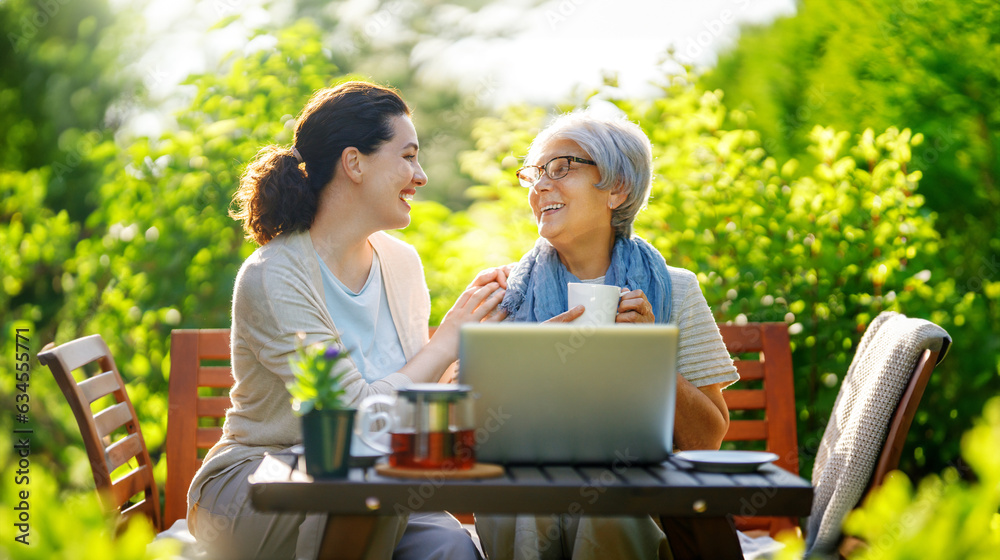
855	434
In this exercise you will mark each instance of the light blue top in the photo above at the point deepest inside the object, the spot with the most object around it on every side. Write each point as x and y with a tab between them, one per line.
364	322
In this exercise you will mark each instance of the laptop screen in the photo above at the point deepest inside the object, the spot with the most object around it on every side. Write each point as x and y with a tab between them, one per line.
569	394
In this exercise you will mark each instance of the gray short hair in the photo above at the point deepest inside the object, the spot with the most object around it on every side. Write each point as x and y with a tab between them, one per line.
623	154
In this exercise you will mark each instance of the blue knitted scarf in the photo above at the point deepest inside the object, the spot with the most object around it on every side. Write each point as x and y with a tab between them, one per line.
536	287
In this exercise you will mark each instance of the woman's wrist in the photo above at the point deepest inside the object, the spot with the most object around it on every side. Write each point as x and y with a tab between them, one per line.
432	361
442	349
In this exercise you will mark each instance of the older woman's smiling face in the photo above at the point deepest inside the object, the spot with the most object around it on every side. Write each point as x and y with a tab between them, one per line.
570	211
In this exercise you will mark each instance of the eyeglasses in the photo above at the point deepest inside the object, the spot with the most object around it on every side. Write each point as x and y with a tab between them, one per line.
556	168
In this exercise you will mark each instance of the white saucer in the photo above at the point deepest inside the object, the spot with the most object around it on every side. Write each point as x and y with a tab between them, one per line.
726	461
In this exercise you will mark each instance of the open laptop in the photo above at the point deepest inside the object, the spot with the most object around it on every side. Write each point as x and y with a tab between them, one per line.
566	393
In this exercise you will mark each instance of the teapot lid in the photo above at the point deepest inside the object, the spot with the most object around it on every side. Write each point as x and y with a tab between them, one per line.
434	391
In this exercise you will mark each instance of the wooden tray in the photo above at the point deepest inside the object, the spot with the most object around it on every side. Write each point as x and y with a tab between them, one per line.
479	470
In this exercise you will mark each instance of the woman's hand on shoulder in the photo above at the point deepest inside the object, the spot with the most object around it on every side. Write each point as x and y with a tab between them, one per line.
497	274
634	308
435	361
476	304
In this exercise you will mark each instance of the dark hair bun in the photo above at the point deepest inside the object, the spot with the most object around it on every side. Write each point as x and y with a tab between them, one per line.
277	193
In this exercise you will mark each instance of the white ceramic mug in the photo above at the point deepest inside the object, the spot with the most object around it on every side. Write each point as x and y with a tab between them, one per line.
600	302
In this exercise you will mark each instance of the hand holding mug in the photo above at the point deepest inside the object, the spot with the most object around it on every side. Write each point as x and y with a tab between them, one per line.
634	308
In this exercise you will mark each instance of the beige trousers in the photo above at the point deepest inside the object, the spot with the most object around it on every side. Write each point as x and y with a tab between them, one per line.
226	525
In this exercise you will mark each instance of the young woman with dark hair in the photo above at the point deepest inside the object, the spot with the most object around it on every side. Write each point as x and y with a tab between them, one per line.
327	270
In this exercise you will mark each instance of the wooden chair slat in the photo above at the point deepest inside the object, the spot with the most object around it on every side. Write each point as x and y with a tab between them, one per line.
747	430
749	370
121	451
137	480
77	353
745	399
213	344
188	349
220	377
782	437
182	422
207	437
143	507
773	368
213	407
112	418
99	386
741	339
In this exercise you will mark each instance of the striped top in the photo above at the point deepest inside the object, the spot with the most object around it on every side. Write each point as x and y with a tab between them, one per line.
702	358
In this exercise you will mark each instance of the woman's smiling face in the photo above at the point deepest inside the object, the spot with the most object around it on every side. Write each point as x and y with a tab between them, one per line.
570	210
394	176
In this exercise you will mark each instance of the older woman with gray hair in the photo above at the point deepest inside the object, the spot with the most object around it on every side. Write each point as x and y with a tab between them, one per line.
587	178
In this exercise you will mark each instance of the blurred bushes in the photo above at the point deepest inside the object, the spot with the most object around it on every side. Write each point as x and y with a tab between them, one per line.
56	524
59	85
931	67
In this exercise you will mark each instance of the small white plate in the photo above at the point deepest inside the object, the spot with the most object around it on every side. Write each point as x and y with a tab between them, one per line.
726	461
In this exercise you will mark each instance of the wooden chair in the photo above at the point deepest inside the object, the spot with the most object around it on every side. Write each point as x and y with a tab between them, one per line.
777	401
762	402
189	409
107	453
899	427
895	358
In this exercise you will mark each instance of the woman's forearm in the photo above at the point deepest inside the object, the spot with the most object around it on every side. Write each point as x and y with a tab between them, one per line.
430	362
701	416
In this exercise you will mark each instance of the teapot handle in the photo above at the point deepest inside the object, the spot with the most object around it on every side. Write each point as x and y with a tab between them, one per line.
367	417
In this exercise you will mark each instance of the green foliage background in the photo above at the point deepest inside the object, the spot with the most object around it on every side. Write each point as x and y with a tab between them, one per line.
932	67
946	517
821	227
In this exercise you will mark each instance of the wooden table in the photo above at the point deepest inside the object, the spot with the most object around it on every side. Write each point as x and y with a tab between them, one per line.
702	502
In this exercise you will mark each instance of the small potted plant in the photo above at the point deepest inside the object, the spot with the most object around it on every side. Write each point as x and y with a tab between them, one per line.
318	397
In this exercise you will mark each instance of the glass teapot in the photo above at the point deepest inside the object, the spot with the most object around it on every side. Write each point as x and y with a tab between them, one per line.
430	426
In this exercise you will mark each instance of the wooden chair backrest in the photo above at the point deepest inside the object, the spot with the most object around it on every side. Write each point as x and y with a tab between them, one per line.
762	403
899	427
189	407
775	396
107	453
